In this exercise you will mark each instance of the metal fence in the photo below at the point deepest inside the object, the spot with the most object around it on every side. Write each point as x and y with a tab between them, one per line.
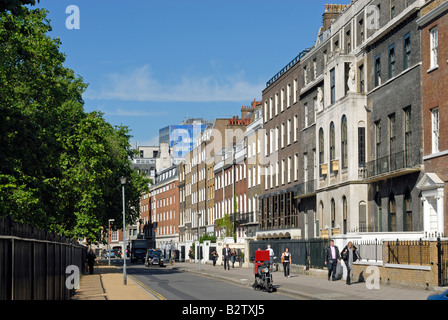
442	262
309	253
409	252
33	262
370	250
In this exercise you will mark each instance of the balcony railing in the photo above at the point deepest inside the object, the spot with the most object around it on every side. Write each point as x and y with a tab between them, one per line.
392	163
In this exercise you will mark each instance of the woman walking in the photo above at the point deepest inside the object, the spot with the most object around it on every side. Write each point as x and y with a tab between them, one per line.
349	255
286	258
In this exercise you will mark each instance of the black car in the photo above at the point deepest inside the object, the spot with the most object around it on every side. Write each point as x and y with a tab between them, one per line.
154	257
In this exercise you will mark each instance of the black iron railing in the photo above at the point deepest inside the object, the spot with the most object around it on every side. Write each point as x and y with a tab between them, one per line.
391	163
288	66
34	262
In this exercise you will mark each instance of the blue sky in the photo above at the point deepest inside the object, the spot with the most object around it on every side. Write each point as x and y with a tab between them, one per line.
151	63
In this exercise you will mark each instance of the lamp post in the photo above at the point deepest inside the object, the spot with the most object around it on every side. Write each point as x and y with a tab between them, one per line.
123	182
198	252
108	239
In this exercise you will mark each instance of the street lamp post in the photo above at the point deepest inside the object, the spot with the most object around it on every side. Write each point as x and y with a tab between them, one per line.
198	251
108	239
123	182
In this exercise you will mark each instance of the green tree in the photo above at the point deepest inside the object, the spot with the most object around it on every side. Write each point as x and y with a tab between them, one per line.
60	167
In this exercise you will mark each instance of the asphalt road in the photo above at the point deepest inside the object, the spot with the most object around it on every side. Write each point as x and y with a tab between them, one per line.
168	284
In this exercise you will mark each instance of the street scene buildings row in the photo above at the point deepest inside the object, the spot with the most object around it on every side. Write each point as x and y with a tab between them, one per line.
349	139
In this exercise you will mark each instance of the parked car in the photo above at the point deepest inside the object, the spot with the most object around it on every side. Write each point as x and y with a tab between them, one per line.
110	253
154	257
442	296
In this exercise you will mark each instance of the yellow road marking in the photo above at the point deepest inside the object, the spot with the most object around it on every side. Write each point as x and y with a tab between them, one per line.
154	293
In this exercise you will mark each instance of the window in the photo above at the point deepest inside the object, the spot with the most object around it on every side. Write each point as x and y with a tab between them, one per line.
332	142
435	130
344	215
392	135
288	132
332	85
289	169
391	61
361	79
407	51
434	47
377	71
361	31
271	108
266	111
296	127
407	134
288	95
333	213
305	110
392	10
348	41
407	211
321	147
305	166
377	139
282	100
392	213
296	167
361	146
295	90
344	153
276	103
305	77
282	133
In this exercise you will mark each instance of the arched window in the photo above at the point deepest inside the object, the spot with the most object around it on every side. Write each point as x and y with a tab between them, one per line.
344	154
321	147
392	221
407	211
362	207
344	215
333	213
332	142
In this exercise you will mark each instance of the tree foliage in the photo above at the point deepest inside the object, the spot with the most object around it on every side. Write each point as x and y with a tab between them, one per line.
60	166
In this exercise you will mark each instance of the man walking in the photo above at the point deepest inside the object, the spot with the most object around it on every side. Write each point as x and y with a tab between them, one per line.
271	256
226	257
91	259
331	259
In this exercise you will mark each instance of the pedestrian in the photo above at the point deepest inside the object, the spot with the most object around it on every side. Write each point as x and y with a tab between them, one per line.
173	258
271	256
349	255
91	259
214	257
226	257
232	257
286	259
332	258
190	254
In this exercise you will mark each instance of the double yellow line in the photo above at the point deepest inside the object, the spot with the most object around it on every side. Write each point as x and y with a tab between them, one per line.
154	293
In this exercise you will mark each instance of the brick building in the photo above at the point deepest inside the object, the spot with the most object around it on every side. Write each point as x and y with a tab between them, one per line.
434	47
282	115
164	210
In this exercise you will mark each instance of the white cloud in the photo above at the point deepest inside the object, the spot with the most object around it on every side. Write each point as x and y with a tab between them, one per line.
140	85
134	113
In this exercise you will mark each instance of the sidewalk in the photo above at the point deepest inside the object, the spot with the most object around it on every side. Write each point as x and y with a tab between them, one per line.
107	284
309	287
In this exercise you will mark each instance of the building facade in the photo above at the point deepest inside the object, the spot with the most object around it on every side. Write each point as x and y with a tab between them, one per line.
433	25
164	211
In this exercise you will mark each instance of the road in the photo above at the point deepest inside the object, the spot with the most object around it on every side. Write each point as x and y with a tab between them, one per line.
170	284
